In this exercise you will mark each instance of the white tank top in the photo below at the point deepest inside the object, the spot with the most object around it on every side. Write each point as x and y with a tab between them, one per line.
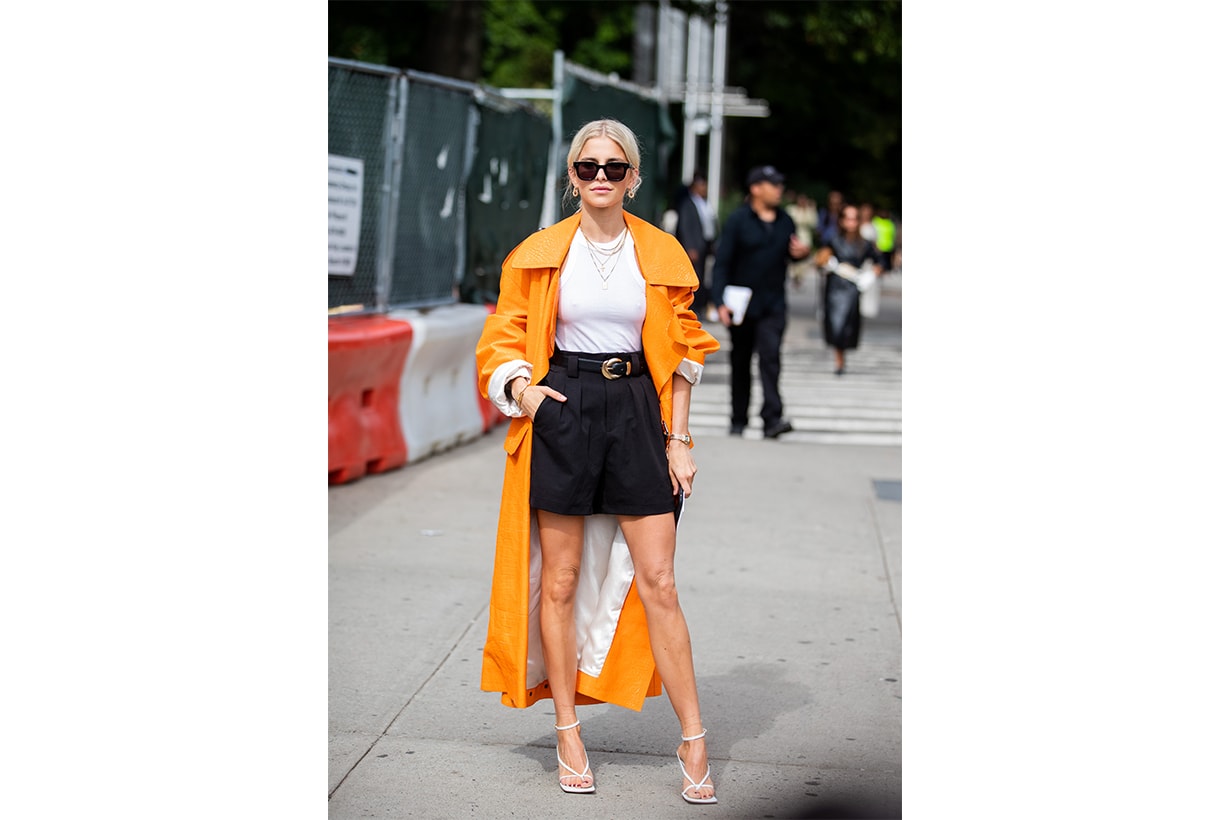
593	319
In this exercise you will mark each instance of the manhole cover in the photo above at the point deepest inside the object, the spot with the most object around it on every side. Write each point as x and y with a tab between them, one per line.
887	490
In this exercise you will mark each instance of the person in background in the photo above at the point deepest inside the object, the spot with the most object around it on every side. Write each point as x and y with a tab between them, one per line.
895	265
802	210
757	242
886	237
593	350
696	231
866	222
826	218
839	260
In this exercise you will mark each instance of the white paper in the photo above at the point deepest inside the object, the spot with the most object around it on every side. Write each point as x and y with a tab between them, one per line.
736	298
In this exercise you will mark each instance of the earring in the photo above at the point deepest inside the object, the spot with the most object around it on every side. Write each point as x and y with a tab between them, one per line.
576	191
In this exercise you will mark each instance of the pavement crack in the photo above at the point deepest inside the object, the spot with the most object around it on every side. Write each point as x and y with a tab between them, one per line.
385	731
888	573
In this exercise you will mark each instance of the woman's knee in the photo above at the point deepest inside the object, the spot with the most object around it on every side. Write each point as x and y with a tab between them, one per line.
559	584
657	587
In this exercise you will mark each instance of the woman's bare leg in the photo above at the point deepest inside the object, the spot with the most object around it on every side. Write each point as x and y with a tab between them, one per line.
562	538
651	541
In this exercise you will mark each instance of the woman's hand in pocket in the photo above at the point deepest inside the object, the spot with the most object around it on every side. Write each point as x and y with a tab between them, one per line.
535	395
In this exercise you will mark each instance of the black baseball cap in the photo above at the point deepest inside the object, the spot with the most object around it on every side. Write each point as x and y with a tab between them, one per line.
765	173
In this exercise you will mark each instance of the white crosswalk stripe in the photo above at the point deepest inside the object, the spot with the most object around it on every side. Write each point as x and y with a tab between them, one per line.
862	406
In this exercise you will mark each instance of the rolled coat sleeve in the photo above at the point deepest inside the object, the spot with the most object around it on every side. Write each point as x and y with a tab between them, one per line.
501	350
499	381
699	341
690	370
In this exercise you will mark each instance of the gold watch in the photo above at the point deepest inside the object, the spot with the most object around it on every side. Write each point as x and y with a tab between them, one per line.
686	438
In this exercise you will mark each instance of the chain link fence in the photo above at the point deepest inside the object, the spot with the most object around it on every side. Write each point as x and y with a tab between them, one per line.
429	248
362	113
431	182
506	192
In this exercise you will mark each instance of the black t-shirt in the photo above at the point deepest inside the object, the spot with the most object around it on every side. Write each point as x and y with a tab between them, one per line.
754	253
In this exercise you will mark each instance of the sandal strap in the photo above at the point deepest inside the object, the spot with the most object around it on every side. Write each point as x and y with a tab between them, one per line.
569	726
575	773
703	732
702	784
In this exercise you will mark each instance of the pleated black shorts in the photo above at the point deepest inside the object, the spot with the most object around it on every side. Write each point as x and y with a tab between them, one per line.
603	450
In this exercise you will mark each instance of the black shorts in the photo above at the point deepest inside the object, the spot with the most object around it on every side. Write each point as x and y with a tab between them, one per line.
603	450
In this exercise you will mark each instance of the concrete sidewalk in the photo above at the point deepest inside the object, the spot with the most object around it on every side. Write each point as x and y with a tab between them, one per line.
789	571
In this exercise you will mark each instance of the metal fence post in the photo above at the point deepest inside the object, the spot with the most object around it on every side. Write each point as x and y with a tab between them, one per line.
551	197
394	128
473	120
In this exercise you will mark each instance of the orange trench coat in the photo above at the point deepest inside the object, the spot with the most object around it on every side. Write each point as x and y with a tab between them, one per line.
620	669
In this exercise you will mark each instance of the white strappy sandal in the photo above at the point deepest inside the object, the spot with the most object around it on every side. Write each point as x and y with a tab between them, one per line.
585	773
695	785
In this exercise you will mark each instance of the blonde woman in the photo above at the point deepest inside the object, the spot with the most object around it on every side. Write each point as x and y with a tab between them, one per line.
593	350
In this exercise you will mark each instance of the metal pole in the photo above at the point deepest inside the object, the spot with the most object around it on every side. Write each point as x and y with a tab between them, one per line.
473	121
550	199
662	46
690	106
390	178
716	118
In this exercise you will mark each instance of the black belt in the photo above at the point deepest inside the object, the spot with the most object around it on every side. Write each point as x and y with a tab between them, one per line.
613	366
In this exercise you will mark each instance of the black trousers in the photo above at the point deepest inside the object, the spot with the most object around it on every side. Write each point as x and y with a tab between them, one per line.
762	336
703	297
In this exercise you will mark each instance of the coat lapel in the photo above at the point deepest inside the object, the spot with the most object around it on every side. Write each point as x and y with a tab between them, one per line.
546	248
662	259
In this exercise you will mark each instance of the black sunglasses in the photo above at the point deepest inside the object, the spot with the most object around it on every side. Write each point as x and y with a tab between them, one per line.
588	171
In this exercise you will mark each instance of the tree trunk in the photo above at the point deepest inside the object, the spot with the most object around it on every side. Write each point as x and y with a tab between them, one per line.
455	40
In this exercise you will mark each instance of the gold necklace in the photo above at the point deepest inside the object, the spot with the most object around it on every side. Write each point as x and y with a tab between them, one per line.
611	256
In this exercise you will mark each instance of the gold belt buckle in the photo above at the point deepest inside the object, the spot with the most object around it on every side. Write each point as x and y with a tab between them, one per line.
609	363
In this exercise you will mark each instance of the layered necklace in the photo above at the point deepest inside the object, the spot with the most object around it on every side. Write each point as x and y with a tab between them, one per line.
604	258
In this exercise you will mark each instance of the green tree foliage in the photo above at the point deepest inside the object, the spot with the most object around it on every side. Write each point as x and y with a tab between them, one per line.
519	44
435	36
830	71
522	36
603	37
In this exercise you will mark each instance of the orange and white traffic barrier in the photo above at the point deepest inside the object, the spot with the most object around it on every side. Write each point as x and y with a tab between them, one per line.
437	406
367	355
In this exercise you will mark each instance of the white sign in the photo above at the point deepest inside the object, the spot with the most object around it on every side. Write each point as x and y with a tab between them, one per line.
345	212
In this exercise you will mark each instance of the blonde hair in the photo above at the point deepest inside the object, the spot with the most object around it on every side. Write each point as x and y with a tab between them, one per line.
622	136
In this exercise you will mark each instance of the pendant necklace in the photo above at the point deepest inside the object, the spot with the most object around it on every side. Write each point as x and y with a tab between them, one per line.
602	257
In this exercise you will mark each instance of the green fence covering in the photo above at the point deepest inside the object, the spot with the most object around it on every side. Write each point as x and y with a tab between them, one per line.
429	253
359	105
456	177
504	194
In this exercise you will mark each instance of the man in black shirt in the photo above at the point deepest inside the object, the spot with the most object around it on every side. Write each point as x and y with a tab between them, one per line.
757	243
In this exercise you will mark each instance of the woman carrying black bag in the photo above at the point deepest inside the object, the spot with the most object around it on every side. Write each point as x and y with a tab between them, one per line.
842	259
